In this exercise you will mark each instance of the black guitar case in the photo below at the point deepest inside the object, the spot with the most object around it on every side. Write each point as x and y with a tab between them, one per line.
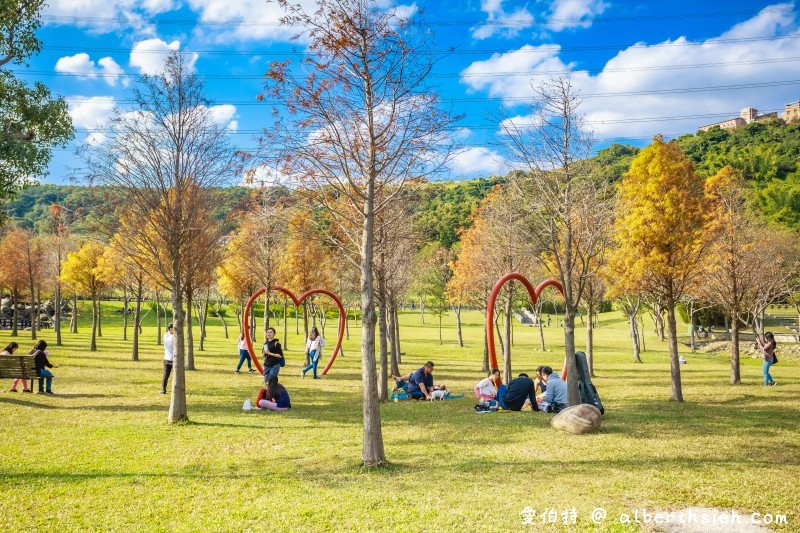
588	391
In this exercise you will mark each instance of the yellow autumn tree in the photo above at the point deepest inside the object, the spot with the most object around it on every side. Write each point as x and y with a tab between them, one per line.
12	270
84	270
659	233
303	264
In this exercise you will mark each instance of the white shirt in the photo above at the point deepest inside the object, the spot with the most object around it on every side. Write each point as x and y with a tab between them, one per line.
486	386
315	344
242	344
169	351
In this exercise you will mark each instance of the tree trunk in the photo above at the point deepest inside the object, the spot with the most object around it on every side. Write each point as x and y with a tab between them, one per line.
397	351
590	339
95	321
573	392
500	339
57	317
15	316
222	320
421	311
189	334
541	328
73	323
641	334
507	337
125	315
34	315
660	322
137	318
99	318
391	333
158	320
691	324
736	377
285	325
677	393
177	406
253	322
296	320
372	442
266	312
383	374
485	366
441	341
634	337
346	325
305	330
458	325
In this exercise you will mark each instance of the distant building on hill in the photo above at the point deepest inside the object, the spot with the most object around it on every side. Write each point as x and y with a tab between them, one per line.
792	112
746	116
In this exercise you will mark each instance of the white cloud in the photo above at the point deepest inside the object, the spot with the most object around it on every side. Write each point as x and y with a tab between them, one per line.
82	65
90	112
566	14
149	55
224	115
772	20
501	22
478	160
97	15
659	70
250	19
259	20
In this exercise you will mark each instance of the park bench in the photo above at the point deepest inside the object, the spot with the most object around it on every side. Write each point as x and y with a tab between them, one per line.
18	366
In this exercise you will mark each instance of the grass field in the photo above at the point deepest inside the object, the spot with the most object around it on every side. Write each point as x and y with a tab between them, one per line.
99	454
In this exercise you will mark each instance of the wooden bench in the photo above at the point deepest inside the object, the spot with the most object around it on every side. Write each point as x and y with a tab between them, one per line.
18	367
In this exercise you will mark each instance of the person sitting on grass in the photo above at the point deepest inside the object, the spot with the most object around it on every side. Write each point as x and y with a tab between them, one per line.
42	366
275	397
420	382
486	389
518	392
540	382
9	350
314	345
273	355
555	399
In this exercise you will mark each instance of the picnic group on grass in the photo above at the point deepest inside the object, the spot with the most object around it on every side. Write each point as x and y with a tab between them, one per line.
547	392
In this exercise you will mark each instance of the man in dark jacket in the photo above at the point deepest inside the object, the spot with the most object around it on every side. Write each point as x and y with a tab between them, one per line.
273	355
518	391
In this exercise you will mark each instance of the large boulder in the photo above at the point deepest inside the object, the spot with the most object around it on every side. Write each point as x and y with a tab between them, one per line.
578	419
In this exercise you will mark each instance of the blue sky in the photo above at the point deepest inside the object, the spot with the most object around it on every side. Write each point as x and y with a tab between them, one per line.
642	67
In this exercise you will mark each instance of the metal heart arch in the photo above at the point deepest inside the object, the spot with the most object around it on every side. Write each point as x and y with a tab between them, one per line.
297	301
490	305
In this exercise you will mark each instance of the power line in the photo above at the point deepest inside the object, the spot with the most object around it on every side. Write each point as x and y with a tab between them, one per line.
543	49
444	23
478	74
627	120
524	99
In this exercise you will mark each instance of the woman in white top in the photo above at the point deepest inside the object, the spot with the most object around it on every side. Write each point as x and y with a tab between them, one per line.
314	345
486	389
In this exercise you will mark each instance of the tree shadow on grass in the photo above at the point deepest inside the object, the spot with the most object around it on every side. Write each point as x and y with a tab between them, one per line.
25	403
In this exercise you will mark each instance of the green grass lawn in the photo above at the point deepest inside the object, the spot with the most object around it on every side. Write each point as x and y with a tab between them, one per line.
100	455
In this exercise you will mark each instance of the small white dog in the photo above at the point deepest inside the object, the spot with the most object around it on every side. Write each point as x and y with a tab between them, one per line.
439	394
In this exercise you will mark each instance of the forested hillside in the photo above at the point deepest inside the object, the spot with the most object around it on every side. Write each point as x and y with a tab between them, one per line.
767	153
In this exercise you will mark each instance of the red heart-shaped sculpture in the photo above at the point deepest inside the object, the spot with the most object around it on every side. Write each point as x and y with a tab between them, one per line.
533	293
297	301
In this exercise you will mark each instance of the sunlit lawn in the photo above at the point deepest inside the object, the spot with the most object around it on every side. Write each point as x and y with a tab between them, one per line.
99	454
